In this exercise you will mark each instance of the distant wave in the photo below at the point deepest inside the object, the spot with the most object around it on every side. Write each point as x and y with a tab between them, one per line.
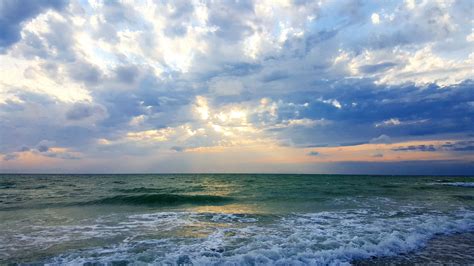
455	184
140	190
162	199
146	190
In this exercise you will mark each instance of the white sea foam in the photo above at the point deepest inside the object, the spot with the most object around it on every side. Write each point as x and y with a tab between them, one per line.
33	237
297	239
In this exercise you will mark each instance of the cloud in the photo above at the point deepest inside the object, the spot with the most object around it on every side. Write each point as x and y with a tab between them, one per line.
10	156
178	148
226	86
382	139
62	155
389	122
114	79
380	67
456	146
14	13
24	148
305	122
127	74
80	111
43	148
416	148
275	75
332	102
84	72
313	153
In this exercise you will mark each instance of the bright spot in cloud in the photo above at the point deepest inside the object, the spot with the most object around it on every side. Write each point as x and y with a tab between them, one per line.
375	18
202	107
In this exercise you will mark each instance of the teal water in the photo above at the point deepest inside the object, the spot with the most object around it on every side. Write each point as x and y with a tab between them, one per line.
230	219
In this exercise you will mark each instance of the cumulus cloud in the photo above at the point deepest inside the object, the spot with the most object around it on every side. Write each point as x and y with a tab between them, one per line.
13	14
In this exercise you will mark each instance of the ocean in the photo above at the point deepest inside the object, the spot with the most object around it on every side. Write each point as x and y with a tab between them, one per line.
235	219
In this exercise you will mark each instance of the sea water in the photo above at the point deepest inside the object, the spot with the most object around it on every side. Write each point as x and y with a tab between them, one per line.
235	219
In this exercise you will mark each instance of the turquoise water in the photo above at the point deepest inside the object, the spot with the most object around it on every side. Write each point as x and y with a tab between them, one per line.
231	219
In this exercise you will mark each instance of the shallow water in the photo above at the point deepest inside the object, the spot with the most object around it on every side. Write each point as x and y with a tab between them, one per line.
233	219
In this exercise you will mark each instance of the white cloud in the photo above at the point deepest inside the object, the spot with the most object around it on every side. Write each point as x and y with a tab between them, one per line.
382	139
332	102
151	135
27	75
421	66
470	37
411	4
389	122
305	122
396	122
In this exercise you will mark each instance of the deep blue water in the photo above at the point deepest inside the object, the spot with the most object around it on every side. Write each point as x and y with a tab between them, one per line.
234	219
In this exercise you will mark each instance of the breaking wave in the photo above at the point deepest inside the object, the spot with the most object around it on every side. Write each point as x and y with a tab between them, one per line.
334	238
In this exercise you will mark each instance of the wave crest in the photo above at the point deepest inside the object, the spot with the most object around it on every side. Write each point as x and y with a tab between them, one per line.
162	199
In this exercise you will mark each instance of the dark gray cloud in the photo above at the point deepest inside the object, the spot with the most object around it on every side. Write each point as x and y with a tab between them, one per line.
463	146
43	148
178	148
85	72
416	148
458	146
83	110
24	148
127	74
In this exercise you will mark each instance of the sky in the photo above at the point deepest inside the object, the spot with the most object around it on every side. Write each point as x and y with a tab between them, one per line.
361	87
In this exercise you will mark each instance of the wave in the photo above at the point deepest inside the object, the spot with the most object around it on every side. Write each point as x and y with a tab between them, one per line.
161	199
140	190
455	184
464	197
325	238
7	185
161	190
149	199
